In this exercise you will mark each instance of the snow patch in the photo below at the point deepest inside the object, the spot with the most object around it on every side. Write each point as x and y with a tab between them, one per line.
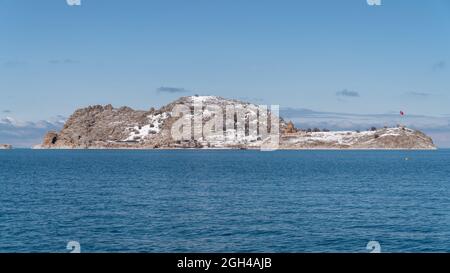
203	99
139	133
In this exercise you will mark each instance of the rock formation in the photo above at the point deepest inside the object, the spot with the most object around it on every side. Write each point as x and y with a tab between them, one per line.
290	128
104	127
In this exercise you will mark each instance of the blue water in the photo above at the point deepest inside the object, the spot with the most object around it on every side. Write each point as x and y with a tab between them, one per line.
224	201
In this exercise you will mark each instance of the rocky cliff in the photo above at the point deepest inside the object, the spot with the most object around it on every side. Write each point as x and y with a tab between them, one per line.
105	127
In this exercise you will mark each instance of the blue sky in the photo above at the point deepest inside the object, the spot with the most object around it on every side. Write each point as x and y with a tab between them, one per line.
330	56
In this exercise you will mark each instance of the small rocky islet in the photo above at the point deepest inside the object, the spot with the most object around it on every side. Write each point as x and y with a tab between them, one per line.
5	147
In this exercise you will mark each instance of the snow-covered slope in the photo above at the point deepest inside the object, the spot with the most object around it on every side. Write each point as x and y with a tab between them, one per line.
386	138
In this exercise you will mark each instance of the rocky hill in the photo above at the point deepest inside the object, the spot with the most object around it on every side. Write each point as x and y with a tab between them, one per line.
103	127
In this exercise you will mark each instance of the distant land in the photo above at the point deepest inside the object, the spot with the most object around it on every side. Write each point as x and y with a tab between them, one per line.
5	146
106	127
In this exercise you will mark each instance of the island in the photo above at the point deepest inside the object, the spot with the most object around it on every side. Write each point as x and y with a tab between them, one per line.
5	147
106	127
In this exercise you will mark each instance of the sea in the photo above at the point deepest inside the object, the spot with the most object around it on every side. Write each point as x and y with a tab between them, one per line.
162	201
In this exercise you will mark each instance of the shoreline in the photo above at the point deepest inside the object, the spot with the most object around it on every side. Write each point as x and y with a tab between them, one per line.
238	149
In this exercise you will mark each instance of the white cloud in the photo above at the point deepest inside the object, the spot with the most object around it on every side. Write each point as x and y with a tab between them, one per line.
21	133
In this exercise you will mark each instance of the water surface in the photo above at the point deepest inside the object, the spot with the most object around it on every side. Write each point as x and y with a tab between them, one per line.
224	201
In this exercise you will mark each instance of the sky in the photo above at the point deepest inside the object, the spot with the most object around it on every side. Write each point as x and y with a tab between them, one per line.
341	56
